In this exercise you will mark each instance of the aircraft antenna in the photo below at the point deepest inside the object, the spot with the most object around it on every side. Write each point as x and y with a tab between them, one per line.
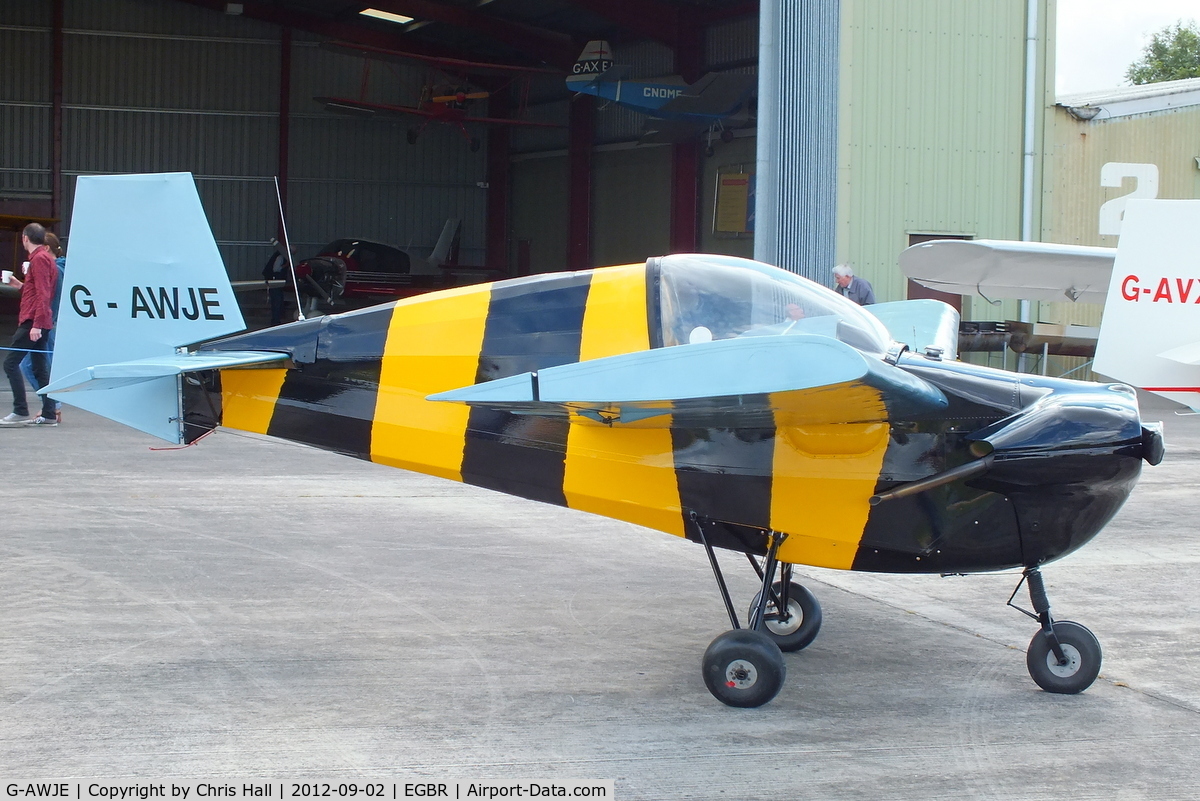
287	248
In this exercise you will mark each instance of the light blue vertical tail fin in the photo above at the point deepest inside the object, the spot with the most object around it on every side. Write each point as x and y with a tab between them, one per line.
143	278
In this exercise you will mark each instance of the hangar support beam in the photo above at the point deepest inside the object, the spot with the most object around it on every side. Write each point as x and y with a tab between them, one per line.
685	156
685	197
579	177
498	166
56	109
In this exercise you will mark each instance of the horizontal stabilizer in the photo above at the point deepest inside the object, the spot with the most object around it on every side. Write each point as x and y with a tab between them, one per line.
997	269
742	382
124	374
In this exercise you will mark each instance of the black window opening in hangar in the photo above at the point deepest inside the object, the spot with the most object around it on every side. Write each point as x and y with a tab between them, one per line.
228	92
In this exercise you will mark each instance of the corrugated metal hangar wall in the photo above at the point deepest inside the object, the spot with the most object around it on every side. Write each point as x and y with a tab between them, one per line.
153	85
931	112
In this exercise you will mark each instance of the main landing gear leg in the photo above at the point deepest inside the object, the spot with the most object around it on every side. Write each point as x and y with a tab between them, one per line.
793	615
744	667
1064	657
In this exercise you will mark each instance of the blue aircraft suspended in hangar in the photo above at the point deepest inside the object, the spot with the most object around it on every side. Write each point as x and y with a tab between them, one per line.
678	111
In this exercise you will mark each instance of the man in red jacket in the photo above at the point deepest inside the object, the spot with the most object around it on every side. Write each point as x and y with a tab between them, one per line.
34	321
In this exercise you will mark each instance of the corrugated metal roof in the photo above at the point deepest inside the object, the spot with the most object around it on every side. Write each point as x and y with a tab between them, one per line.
1123	101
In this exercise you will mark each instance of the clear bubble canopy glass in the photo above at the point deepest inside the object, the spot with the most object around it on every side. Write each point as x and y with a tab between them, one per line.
702	297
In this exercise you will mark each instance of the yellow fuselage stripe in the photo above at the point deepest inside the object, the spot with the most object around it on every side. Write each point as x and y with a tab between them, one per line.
620	472
433	345
823	476
248	398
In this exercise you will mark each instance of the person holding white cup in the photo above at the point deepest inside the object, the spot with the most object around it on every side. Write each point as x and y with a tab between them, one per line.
34	319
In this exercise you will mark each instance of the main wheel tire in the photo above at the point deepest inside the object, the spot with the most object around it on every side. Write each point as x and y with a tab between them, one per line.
744	668
411	135
803	623
1083	653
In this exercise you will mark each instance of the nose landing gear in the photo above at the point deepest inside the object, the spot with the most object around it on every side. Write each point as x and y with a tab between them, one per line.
1064	657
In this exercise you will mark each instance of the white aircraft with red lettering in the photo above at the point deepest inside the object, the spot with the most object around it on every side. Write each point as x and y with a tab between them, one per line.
1149	285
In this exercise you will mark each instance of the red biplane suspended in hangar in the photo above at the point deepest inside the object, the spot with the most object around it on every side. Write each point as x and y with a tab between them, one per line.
447	94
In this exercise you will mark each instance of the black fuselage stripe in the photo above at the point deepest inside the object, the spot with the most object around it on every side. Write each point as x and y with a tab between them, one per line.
726	475
329	406
526	331
330	402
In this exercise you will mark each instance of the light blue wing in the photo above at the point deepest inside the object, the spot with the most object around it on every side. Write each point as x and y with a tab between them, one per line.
743	382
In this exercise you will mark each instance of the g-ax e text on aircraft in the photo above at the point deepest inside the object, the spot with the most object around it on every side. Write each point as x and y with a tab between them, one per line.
714	398
677	111
1149	285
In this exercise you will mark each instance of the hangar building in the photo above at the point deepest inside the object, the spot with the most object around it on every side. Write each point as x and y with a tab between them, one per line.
888	123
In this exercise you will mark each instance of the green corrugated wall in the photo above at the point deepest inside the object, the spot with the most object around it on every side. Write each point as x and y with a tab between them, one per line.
932	115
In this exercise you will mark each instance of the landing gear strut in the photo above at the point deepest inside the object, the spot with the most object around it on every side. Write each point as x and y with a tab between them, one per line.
744	667
793	616
1064	657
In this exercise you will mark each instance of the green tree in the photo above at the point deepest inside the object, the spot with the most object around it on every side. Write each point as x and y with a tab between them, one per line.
1173	54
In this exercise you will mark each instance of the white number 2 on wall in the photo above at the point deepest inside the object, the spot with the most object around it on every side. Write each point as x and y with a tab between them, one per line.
1112	174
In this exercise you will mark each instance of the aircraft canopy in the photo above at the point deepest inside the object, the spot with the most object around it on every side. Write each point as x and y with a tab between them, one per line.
703	297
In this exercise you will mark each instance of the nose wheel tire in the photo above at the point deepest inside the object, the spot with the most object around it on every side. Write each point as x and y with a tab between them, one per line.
802	623
1083	657
744	668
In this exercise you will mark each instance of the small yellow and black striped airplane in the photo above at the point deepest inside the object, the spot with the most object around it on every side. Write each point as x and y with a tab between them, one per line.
717	399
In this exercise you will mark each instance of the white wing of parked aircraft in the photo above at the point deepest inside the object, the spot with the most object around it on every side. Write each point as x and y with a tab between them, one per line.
994	268
1149	285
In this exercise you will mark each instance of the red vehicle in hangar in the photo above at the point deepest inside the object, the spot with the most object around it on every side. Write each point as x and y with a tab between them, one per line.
361	272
